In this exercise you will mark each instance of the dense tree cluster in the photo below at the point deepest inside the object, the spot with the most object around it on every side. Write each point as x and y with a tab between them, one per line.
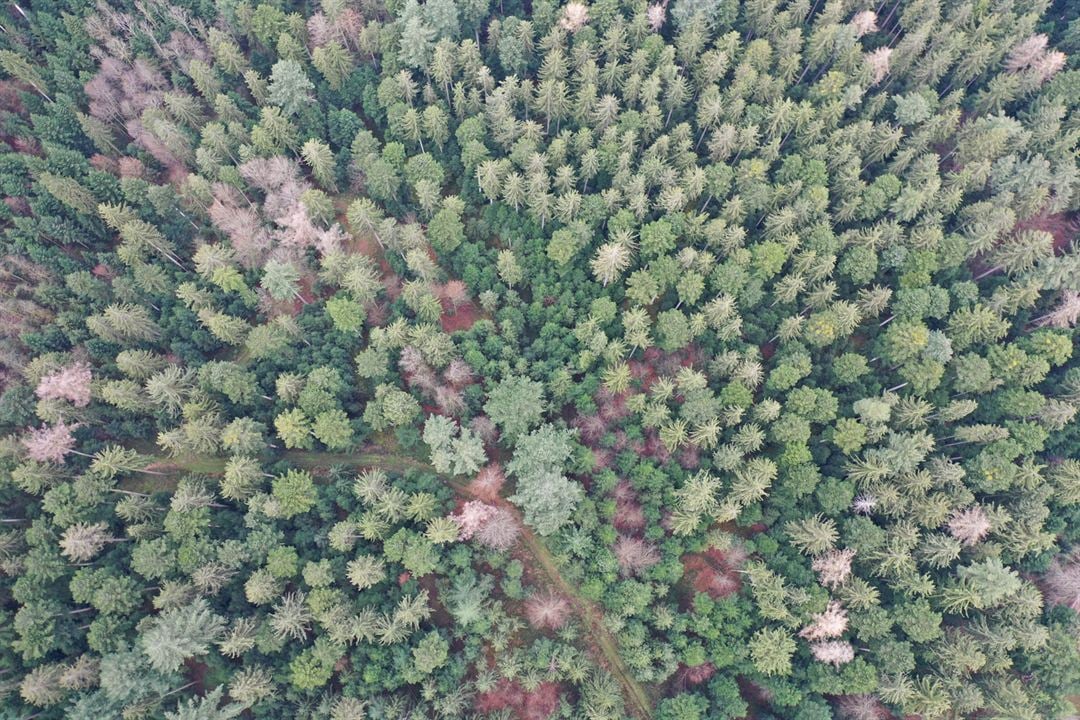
613	359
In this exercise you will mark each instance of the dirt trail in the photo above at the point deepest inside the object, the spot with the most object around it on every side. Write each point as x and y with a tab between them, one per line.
306	459
597	634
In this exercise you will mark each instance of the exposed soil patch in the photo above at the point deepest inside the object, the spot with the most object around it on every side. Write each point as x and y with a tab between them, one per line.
1065	227
714	572
686	677
365	245
196	673
508	695
305	294
439	614
461	319
11	101
362	243
176	173
705	577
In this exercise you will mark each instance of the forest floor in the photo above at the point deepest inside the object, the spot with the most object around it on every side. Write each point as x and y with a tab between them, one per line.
167	472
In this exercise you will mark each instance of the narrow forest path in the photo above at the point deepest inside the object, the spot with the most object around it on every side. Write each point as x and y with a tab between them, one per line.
592	617
597	635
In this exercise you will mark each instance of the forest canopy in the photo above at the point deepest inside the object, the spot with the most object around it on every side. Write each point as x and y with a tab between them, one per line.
532	359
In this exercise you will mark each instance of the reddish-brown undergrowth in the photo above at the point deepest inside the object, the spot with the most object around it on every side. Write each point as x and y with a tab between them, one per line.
508	695
714	572
687	676
1063	226
463	319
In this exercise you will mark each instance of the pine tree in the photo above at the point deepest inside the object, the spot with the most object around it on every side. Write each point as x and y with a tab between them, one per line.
42	685
49	444
771	649
289	86
207	707
516	405
812	536
318	156
291	618
365	571
333	429
81	542
294	492
179	634
610	261
547	497
281	280
333	61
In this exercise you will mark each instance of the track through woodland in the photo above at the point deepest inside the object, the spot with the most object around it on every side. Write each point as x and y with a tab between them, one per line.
597	635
